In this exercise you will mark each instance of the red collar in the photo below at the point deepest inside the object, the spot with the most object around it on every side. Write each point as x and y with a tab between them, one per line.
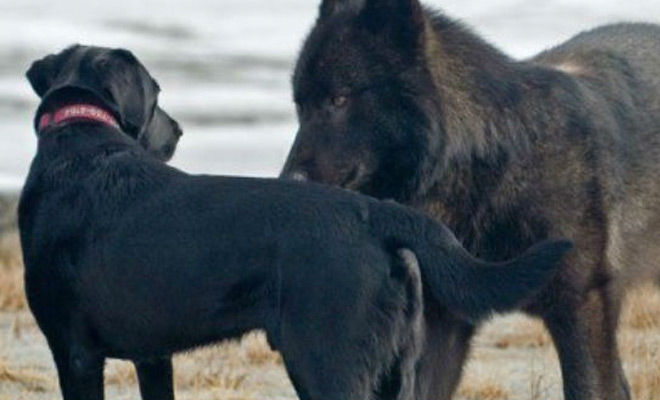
85	112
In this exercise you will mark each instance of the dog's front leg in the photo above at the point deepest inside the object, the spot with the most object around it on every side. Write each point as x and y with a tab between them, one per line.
80	373
156	379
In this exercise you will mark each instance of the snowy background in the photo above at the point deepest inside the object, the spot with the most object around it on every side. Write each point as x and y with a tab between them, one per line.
224	65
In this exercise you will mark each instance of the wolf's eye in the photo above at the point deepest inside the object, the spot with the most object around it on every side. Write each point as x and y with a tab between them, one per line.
339	101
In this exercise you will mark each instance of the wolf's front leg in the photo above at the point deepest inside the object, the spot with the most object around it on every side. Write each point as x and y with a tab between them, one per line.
569	333
601	311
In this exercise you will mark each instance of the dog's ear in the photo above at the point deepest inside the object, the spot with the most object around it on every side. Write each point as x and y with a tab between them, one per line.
44	73
402	19
128	85
41	74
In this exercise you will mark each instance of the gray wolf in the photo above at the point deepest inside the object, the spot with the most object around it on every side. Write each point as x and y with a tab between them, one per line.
401	102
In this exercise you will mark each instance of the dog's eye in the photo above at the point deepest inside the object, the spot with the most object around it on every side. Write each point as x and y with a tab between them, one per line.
340	101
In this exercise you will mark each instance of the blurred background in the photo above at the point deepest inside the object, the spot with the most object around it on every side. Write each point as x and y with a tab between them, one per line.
224	65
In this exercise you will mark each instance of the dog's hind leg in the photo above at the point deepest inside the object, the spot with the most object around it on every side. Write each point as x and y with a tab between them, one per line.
444	353
156	379
360	339
444	341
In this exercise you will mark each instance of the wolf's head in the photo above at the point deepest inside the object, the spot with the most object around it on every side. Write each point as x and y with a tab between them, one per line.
365	98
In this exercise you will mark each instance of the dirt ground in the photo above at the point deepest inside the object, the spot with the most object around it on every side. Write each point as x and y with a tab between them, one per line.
513	358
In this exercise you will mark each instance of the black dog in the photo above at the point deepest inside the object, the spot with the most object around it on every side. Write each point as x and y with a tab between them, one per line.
129	258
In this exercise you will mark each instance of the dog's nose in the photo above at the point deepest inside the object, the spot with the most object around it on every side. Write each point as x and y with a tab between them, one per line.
176	128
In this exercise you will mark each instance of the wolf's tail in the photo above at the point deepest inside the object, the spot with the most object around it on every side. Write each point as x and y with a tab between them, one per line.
468	286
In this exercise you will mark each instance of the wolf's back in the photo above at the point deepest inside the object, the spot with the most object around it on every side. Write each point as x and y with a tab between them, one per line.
635	44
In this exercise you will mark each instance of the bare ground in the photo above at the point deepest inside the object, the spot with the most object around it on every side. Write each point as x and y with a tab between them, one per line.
513	358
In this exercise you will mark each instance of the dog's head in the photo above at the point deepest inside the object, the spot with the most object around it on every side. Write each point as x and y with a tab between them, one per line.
119	81
363	97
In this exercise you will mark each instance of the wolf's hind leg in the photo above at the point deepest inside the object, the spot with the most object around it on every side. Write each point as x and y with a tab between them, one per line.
602	310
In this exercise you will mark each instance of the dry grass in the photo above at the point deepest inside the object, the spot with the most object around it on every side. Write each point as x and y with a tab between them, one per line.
120	373
642	309
483	389
257	351
645	380
226	367
28	379
529	334
211	368
12	297
228	371
639	342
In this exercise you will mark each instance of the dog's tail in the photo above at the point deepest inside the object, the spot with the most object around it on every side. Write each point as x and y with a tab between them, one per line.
466	285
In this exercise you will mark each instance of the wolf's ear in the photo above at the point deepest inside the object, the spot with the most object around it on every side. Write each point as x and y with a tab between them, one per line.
403	18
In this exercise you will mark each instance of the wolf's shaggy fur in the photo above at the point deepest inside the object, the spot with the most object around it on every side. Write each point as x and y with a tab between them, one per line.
401	102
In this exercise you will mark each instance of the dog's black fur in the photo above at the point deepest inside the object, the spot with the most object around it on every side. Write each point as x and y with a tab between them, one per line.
129	258
399	101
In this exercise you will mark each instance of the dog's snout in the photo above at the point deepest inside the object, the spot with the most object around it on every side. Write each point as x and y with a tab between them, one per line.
176	128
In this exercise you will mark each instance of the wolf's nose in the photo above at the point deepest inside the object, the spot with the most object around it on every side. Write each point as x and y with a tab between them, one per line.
299	176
